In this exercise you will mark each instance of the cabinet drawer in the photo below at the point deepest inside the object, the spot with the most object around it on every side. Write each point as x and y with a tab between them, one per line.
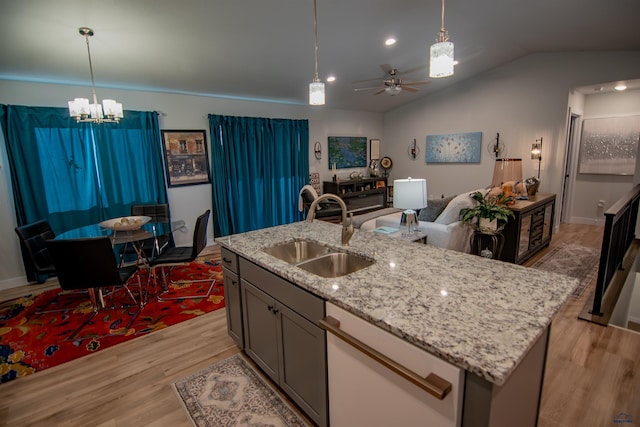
304	303
229	259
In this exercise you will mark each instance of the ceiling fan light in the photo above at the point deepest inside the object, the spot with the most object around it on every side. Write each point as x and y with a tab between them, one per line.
316	93
393	90
441	60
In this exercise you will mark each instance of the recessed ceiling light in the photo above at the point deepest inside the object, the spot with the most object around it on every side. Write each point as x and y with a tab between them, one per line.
620	86
331	78
390	41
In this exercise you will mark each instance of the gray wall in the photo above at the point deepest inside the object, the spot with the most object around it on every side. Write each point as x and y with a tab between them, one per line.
523	100
177	112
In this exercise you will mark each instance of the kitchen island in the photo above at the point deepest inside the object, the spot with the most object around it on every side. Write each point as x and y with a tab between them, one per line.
480	315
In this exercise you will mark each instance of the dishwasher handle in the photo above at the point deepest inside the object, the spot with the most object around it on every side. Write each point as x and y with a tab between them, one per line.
432	384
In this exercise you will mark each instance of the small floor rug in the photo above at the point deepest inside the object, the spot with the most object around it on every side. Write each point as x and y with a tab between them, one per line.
572	260
55	326
232	393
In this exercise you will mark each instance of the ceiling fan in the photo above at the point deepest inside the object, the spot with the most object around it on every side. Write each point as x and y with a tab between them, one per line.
391	81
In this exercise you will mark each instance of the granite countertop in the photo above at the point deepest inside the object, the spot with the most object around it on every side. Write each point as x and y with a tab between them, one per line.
479	314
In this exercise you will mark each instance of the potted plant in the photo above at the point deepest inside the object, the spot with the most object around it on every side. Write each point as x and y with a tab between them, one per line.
488	211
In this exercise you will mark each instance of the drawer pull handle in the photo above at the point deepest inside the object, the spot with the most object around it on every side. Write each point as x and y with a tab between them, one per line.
432	384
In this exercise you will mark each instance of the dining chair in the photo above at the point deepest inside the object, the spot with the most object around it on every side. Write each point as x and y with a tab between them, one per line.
37	259
90	263
154	245
182	255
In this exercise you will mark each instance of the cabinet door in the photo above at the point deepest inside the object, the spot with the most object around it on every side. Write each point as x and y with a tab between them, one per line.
303	369
261	333
233	306
523	241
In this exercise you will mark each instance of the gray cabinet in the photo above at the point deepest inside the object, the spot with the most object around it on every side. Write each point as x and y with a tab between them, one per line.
233	303
282	337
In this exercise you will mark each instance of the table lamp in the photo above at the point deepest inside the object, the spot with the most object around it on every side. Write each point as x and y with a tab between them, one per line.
409	194
507	170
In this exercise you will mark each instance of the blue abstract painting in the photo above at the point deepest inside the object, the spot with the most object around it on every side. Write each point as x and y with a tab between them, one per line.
454	148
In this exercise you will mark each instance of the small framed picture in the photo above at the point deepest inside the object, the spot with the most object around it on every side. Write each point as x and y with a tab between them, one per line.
186	160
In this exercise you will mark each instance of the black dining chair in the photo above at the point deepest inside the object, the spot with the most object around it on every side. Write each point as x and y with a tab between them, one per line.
182	255
154	245
91	264
37	260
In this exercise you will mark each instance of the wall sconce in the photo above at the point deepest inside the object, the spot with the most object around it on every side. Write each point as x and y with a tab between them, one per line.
317	150
536	153
413	150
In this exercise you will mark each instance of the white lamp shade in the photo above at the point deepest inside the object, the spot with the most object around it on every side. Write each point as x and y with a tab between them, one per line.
112	108
409	193
96	111
79	107
441	60
316	93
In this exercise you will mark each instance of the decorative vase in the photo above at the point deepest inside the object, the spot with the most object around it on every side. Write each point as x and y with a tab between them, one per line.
485	223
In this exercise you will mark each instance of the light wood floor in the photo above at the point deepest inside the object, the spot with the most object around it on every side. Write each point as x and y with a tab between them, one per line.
593	372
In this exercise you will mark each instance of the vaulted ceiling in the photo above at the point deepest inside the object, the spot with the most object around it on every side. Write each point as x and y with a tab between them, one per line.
263	49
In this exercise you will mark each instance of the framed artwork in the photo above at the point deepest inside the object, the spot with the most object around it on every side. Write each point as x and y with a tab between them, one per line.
609	145
374	150
347	152
186	160
454	148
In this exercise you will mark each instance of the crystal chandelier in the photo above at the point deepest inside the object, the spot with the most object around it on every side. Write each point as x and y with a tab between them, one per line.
109	111
316	87
441	53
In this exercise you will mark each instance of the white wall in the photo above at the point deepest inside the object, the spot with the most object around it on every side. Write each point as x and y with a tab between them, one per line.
177	112
522	100
590	189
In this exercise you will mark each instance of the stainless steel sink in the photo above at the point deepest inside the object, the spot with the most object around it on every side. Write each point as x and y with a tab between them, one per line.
298	251
336	264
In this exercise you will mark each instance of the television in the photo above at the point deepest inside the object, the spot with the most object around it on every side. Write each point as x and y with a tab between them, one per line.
347	152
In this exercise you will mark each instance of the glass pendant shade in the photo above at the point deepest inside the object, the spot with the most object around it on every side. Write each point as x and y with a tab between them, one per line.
441	62
316	93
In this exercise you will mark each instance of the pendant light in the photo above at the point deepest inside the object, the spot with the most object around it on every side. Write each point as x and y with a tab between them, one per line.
441	53
316	87
109	112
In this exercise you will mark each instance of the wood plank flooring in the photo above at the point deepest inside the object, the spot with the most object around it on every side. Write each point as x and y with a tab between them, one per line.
593	372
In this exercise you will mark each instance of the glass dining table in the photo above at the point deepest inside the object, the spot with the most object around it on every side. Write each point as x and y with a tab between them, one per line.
150	230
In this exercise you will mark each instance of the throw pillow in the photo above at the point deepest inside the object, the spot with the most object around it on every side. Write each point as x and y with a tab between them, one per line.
452	212
434	209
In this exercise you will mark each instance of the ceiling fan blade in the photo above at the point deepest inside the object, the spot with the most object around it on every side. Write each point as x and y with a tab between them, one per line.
379	92
386	68
423	82
409	88
358	89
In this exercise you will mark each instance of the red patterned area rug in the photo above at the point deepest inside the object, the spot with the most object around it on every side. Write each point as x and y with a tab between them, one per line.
53	327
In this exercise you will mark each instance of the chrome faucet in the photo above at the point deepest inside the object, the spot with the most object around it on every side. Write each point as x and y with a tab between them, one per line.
347	226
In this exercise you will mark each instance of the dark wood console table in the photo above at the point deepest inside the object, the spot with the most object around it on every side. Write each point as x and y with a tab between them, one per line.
360	195
531	229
